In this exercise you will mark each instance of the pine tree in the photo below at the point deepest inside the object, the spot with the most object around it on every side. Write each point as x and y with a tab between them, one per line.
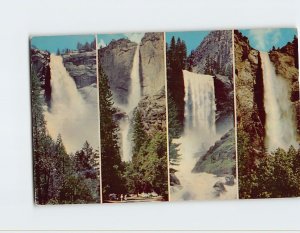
176	62
173	128
111	166
38	135
139	134
93	44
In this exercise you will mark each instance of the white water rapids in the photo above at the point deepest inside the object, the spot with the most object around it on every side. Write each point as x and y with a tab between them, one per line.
199	135
73	112
280	118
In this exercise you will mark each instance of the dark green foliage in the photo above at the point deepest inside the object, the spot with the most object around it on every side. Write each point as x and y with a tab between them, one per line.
262	175
87	46
111	165
176	62
174	129
139	134
58	52
56	180
148	171
190	60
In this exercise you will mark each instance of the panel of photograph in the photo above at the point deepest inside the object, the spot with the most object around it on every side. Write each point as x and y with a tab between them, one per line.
134	161
65	119
268	116
268	113
201	115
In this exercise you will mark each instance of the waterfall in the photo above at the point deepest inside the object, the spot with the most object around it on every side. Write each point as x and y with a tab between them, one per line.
73	112
200	109
280	119
199	134
135	86
134	97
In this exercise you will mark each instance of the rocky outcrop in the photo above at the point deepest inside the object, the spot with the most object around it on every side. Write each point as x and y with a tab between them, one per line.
286	65
40	65
224	97
229	180
116	60
214	54
246	69
153	112
174	180
81	67
220	158
219	188
152	63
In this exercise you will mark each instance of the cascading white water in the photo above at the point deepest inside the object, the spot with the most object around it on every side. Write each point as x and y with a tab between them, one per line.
73	112
199	135
199	110
135	86
280	118
134	97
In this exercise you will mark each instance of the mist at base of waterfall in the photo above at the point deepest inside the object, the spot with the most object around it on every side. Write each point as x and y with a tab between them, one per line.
280	123
200	133
73	112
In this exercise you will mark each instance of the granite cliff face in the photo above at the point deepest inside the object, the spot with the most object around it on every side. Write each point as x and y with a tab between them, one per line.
40	64
220	158
152	63
214	51
153	112
116	60
247	70
81	67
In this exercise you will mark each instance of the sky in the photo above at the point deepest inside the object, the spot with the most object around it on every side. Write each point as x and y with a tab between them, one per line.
52	43
104	39
192	39
264	39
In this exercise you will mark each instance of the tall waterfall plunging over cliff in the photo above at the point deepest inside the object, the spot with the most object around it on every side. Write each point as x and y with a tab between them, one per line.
134	97
280	125
73	112
200	108
135	86
199	134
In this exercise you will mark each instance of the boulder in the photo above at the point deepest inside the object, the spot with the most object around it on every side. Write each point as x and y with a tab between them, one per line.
219	188
229	180
220	158
174	180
